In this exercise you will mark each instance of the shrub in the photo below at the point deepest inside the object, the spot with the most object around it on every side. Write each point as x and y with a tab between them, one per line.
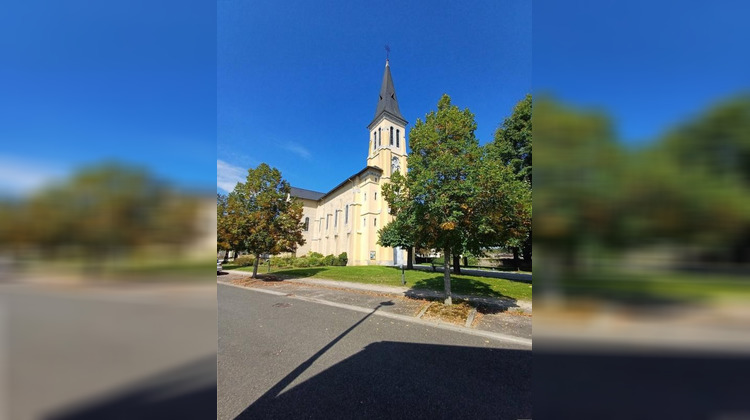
244	260
342	259
302	262
329	260
283	261
315	261
314	255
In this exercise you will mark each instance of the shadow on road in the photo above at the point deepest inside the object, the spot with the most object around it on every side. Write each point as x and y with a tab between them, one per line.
185	392
407	380
587	384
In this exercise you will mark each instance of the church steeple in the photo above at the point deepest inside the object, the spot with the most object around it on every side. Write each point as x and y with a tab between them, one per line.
387	102
387	145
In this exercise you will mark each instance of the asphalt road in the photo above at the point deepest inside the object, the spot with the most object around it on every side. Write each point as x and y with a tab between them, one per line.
279	357
96	353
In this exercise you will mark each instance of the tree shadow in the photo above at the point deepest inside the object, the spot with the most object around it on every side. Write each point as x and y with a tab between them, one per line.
409	380
482	296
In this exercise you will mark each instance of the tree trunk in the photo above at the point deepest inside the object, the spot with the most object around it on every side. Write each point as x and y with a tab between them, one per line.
255	266
409	257
456	264
466	261
226	257
447	276
516	260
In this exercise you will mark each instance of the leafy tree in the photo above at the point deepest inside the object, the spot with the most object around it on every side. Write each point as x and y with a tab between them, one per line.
512	143
441	197
512	147
263	214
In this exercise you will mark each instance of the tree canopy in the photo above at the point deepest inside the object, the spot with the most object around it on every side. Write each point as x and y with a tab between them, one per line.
261	216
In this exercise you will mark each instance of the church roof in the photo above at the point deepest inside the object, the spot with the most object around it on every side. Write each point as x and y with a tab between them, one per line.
387	102
305	194
367	168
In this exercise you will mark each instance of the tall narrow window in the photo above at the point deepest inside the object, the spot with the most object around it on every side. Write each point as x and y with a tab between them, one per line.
391	136
364	197
307	223
374	140
376	221
328	217
380	137
364	221
376	196
336	218
346	215
398	132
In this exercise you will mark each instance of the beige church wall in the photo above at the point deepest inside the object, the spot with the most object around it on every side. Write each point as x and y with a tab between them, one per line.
309	208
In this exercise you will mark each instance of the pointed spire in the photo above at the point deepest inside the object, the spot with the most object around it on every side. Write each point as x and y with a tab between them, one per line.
387	102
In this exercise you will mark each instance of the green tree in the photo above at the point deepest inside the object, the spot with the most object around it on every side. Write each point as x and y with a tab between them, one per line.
263	214
442	198
512	147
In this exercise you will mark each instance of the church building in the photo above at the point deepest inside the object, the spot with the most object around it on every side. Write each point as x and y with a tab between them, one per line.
347	218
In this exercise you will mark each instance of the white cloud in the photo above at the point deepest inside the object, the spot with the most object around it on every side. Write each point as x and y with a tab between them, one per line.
228	175
21	176
297	149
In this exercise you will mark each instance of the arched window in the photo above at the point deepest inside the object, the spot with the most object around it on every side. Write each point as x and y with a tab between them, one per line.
380	137
391	136
374	140
398	132
307	223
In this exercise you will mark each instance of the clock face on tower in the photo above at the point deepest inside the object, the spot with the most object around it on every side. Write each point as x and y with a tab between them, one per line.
395	165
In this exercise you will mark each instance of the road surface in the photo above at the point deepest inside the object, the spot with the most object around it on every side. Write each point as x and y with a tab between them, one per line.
280	357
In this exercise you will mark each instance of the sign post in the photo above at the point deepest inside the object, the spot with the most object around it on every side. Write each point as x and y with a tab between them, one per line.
403	280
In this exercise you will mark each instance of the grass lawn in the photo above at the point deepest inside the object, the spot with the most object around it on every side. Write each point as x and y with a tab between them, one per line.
660	286
391	276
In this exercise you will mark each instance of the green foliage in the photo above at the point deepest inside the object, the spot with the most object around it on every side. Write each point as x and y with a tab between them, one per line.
513	140
102	211
342	259
261	216
329	260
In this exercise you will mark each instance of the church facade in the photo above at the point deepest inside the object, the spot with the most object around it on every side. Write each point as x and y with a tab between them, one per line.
347	218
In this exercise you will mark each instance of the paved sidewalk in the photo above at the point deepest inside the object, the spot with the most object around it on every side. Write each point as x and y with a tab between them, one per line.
501	316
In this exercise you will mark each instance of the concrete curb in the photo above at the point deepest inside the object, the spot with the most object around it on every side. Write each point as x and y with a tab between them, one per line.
441	325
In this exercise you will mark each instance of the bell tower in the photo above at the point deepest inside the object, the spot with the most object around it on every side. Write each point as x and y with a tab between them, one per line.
387	131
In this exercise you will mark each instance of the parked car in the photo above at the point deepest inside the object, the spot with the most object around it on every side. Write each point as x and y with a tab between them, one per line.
218	266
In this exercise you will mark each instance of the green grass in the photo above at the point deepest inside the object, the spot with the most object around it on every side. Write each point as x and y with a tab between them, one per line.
391	276
659	286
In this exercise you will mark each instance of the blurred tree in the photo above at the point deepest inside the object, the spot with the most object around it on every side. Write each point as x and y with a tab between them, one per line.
263	214
110	210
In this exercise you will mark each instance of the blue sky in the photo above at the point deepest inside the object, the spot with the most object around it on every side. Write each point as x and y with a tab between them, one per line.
171	87
648	64
298	81
85	82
